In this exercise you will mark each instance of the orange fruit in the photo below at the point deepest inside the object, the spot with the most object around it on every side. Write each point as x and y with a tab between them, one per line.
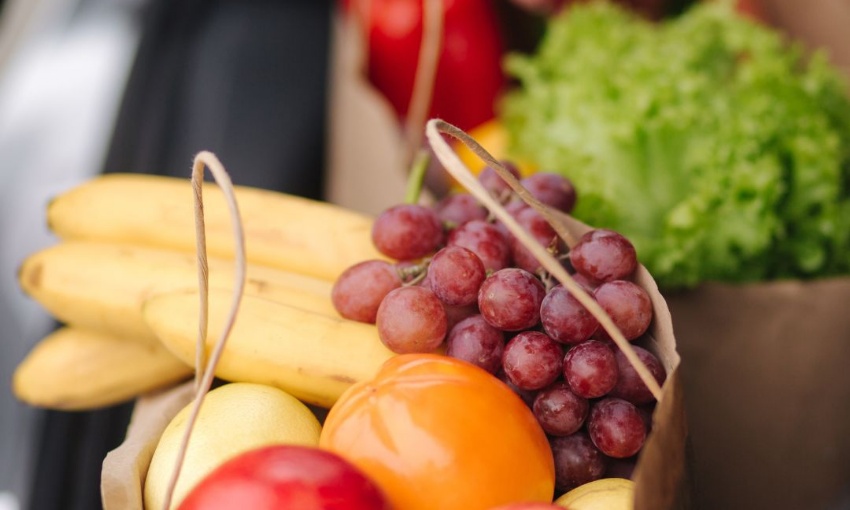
435	432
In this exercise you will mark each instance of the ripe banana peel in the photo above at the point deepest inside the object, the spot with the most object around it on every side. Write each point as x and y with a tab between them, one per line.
311	356
102	286
284	231
74	369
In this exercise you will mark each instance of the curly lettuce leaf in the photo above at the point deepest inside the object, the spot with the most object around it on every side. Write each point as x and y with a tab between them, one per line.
720	149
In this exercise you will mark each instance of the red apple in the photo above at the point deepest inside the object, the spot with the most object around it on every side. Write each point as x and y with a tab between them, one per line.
286	477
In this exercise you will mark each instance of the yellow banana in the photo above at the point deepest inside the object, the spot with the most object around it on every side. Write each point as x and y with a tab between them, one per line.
313	357
77	369
101	286
293	233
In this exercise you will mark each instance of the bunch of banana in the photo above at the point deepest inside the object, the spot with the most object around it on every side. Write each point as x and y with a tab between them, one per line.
123	280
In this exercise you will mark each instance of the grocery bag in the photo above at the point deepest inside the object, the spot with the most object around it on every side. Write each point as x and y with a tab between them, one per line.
764	368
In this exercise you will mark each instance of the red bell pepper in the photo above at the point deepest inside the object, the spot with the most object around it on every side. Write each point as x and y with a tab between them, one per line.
469	76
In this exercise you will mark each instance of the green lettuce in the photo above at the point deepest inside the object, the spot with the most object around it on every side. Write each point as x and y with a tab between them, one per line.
719	148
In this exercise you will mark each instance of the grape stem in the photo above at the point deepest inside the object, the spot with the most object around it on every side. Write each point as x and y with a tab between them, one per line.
434	129
412	275
416	178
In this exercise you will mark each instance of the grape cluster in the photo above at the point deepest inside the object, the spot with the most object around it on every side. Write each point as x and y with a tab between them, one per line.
461	280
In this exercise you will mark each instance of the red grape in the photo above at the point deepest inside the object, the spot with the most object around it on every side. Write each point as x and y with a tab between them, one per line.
604	255
585	282
560	411
590	369
455	274
513	208
552	189
411	319
493	182
455	314
476	341
458	208
628	305
629	384
532	360
510	299
407	231
542	232
485	240
577	461
564	318
358	291
616	427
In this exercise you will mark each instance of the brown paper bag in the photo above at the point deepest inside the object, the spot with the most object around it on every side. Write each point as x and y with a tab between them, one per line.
125	468
767	383
365	166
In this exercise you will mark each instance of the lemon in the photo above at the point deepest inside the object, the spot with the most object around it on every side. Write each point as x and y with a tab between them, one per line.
604	494
234	418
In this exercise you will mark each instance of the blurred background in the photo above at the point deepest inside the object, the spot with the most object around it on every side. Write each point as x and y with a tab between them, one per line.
94	86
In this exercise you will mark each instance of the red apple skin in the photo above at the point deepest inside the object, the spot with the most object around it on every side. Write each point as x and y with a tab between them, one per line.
286	477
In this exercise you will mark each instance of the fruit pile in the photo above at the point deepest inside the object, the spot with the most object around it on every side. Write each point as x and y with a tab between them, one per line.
399	355
457	279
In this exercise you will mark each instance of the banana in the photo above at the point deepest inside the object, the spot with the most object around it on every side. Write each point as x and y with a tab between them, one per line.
284	231
75	369
101	286
313	357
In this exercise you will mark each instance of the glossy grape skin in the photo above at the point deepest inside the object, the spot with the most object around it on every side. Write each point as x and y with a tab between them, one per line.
457	208
591	369
586	283
560	411
493	182
542	232
407	231
604	255
616	427
532	360
628	305
629	385
455	314
510	299
513	208
485	240
411	319
358	291
577	461
476	341
564	318
552	189
455	275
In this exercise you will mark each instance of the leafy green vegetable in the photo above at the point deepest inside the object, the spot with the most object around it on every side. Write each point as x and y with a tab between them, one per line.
720	149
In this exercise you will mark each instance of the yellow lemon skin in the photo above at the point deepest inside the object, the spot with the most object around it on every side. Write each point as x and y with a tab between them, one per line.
603	494
234	418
